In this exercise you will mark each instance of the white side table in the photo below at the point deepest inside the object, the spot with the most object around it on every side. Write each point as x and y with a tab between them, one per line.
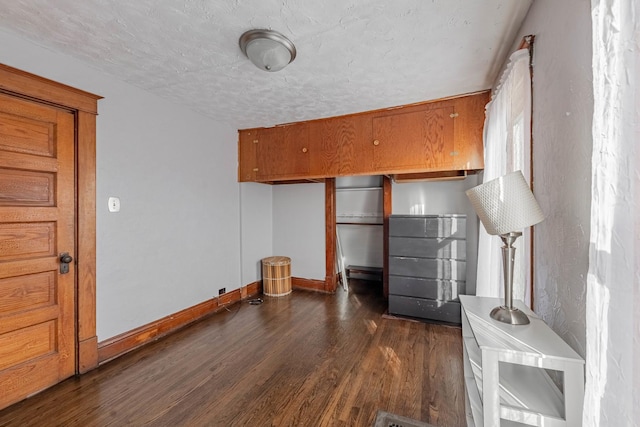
518	375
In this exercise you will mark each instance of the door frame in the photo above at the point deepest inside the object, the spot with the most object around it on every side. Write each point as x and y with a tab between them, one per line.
85	108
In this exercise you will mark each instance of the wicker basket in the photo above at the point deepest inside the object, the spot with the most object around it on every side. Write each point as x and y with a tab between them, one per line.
276	276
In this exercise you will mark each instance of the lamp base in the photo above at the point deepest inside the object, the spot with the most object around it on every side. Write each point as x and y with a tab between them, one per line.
512	316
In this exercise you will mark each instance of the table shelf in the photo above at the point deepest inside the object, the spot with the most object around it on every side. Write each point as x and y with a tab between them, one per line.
507	370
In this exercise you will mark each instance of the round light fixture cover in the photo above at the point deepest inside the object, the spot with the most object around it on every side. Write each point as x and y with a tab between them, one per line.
267	49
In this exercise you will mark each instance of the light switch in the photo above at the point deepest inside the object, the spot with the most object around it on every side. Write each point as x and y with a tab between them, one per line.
114	204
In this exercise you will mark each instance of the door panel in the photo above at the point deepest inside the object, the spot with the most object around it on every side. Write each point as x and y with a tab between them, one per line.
37	223
282	152
413	141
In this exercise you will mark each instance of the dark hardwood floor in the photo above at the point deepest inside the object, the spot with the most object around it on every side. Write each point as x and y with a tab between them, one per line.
306	359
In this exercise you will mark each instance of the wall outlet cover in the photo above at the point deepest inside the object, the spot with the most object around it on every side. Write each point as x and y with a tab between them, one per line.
114	204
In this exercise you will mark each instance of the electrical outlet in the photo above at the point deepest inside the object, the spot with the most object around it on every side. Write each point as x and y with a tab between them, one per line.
222	291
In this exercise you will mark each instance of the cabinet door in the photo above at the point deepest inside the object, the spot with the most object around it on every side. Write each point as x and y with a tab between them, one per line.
324	139
416	141
247	167
282	152
337	146
468	130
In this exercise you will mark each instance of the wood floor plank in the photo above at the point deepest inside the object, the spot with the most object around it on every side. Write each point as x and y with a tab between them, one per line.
306	359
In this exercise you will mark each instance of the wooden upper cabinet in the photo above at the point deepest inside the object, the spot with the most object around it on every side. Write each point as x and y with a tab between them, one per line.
468	127
338	146
247	166
282	152
413	142
429	137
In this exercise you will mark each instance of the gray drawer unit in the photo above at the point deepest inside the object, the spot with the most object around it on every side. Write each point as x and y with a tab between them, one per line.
446	248
434	268
427	266
428	226
443	290
425	308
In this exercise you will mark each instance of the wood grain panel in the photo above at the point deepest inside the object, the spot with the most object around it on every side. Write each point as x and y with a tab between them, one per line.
26	136
282	151
268	152
296	153
330	238
35	291
15	380
86	254
251	289
32	317
27	343
229	297
468	131
23	135
26	188
354	149
22	161
312	284
27	240
28	266
438	137
324	137
87	354
413	141
247	143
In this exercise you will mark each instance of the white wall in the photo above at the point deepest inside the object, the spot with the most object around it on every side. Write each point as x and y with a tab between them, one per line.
562	117
298	228
442	197
256	210
176	240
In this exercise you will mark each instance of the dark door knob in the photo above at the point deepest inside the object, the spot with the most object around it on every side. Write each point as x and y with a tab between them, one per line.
65	259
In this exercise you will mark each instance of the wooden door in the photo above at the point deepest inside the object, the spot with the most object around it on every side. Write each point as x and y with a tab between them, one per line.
413	142
37	224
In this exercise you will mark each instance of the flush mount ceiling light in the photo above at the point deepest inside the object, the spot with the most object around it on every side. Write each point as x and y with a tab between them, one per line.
267	49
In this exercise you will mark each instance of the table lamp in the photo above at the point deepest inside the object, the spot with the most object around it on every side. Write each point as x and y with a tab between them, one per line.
505	206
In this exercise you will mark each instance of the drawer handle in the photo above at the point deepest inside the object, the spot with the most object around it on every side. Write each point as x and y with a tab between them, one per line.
453	115
376	142
304	150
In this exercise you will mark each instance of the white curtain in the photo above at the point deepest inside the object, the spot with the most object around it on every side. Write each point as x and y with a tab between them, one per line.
507	148
613	283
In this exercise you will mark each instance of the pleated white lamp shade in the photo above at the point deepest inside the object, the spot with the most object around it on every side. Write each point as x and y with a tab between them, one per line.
505	204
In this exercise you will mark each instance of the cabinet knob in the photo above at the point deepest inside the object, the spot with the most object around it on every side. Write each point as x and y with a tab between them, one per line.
304	150
376	142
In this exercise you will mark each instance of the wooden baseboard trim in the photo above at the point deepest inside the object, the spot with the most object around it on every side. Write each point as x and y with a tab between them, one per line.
251	289
120	344
309	285
87	355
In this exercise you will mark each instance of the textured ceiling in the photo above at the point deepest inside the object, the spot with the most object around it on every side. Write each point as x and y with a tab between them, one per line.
353	55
